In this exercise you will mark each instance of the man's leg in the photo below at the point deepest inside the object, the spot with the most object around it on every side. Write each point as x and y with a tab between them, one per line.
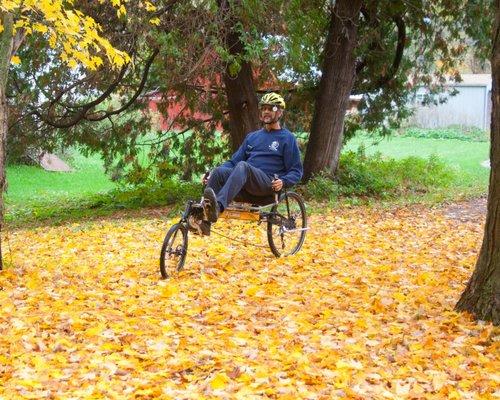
252	179
218	178
216	181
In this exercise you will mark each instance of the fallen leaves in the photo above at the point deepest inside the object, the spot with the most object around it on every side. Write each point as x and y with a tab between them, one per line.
364	310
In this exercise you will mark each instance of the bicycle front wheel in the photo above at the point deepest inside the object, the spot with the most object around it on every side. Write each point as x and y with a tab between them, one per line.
287	225
174	250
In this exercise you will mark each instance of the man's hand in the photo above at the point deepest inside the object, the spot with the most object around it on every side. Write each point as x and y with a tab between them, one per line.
205	177
277	185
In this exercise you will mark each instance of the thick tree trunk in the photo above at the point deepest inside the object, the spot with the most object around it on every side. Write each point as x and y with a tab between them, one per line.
6	42
240	90
243	105
482	294
337	80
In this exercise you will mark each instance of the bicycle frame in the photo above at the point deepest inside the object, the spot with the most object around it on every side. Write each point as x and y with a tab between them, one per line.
187	212
286	221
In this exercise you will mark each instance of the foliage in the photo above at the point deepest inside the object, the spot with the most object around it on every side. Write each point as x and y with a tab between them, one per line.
362	311
65	27
47	96
177	63
380	177
454	132
283	42
168	192
436	36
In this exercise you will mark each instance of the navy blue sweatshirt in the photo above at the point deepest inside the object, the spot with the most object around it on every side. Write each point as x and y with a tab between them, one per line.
274	152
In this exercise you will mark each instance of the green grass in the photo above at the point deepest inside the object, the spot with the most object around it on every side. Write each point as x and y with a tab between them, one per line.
462	156
34	194
453	132
31	190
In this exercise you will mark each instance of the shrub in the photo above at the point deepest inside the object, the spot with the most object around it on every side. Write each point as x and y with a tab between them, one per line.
171	193
468	134
167	192
321	187
375	176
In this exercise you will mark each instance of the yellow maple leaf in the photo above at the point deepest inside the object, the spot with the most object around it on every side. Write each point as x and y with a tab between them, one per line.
252	290
94	331
219	381
169	290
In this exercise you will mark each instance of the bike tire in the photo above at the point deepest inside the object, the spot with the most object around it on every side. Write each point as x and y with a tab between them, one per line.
293	214
172	256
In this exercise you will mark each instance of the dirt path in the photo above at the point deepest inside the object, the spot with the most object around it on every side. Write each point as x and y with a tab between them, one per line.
468	211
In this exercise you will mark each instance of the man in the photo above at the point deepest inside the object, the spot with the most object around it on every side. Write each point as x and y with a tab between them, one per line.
266	153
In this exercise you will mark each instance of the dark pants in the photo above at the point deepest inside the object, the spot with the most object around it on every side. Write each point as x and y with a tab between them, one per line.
227	183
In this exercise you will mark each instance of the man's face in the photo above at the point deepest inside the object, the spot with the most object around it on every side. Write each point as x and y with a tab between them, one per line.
269	114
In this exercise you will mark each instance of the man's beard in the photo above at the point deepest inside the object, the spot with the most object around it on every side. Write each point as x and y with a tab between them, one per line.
271	120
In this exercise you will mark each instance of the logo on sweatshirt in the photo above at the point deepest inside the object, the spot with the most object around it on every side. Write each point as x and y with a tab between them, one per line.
274	146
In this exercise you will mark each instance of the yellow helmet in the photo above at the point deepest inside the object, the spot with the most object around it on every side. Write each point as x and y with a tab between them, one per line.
272	99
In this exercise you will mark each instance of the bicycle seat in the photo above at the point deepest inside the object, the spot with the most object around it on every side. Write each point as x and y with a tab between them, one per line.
245	197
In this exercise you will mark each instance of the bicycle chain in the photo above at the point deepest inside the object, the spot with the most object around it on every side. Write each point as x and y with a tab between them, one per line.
239	241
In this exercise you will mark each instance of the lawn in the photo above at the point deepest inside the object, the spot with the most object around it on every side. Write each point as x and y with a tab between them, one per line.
34	192
31	187
464	157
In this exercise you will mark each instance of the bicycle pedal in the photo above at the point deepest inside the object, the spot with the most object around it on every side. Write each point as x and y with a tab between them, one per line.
194	225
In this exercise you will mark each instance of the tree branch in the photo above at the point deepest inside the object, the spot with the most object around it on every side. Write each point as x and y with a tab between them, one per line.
17	41
398	20
145	74
84	114
398	56
85	108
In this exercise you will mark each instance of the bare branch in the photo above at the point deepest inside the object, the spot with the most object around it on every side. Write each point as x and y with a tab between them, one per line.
398	20
17	40
139	90
84	114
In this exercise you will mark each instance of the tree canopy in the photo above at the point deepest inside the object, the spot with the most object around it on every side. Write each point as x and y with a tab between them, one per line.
183	55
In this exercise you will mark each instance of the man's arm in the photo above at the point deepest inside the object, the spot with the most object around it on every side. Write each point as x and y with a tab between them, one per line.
240	155
293	164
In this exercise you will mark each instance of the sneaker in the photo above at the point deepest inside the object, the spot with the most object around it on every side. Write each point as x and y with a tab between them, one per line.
199	227
210	204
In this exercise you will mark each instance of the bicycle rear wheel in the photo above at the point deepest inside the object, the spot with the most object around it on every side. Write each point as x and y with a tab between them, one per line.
287	225
174	250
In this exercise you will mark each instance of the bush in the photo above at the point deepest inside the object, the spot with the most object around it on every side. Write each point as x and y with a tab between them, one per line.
375	176
320	188
168	192
171	193
453	132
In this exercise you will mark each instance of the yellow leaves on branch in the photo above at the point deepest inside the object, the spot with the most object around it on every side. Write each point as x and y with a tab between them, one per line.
363	311
154	21
76	33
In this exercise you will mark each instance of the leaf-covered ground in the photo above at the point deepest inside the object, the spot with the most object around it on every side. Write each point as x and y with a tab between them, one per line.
364	311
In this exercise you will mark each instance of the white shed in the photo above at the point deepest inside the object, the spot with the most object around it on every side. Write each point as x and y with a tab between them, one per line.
470	107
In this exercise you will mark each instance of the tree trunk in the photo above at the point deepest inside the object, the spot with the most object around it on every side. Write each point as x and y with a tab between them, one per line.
240	90
6	42
337	80
481	297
